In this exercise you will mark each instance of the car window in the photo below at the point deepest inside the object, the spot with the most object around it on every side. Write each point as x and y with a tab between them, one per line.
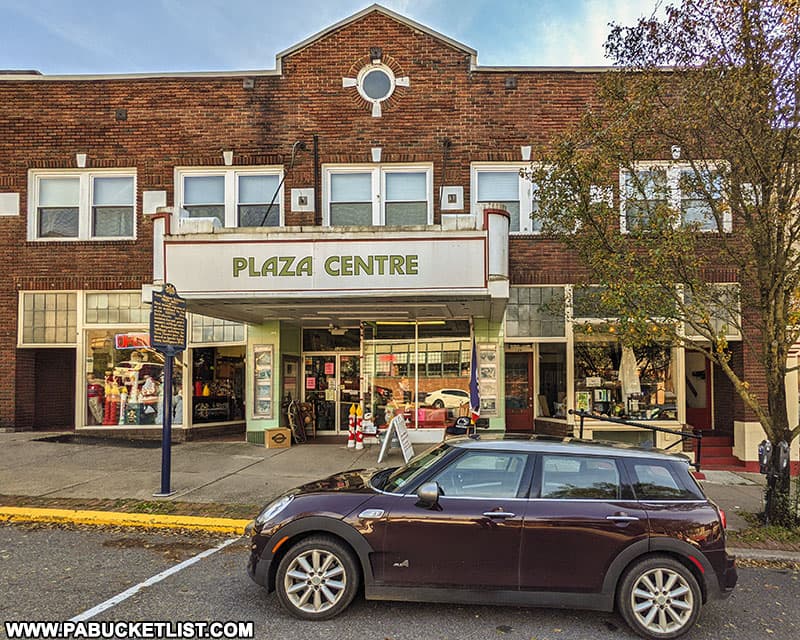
414	468
483	474
580	477
660	481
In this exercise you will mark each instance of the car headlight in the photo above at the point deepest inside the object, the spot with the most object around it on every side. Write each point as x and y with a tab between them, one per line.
273	509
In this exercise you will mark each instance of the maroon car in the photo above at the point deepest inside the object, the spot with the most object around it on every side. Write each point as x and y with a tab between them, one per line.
514	521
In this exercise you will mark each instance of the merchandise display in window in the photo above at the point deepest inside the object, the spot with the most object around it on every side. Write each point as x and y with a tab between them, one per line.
124	382
217	384
619	381
423	371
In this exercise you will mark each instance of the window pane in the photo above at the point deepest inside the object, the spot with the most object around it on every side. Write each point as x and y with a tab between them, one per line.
351	214
578	477
406	213
645	190
253	215
658	481
207	211
258	189
203	190
552	380
695	192
405	186
483	475
110	191
619	381
58	222
59	192
494	186
110	222
49	318
376	84
351	187
535	312
207	329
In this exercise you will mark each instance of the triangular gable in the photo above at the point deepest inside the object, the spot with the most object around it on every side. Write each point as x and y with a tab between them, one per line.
375	8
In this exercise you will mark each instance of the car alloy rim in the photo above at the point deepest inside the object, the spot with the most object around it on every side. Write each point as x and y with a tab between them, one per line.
662	601
315	581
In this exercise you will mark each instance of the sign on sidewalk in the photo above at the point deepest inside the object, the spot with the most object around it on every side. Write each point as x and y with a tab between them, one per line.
397	429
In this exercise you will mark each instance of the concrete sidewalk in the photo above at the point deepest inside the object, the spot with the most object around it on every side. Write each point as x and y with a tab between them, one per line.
31	464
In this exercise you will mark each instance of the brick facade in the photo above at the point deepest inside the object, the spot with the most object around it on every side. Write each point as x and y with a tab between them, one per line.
181	121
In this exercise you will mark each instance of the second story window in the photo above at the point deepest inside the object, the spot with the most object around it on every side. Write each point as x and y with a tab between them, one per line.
372	196
235	197
686	190
503	185
82	205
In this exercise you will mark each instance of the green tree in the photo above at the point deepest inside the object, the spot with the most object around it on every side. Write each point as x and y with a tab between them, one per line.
710	88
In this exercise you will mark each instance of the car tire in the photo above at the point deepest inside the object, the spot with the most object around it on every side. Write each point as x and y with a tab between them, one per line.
438	404
659	598
317	578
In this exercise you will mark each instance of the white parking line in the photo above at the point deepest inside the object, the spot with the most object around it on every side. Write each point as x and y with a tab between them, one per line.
120	597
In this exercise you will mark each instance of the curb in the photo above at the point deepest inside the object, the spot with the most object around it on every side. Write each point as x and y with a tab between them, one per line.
764	554
117	519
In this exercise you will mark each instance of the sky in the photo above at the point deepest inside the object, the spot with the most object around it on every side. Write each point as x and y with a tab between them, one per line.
109	36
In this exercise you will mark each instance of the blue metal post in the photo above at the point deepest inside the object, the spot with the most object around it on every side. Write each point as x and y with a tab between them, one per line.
166	430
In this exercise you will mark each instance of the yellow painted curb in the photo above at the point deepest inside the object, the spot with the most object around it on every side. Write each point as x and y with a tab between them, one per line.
118	519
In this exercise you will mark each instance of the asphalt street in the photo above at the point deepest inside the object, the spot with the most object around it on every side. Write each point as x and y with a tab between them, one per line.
51	573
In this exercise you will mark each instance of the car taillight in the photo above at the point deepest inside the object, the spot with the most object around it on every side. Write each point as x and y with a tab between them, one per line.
723	519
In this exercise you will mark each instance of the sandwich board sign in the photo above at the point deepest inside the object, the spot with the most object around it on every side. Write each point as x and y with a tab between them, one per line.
397	429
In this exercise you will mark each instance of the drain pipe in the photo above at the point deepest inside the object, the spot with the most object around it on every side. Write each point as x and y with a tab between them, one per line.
317	194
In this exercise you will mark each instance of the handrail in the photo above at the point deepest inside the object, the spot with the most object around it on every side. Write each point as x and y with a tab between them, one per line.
694	434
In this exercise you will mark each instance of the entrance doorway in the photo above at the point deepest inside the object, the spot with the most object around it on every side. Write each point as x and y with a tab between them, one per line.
519	392
54	389
331	383
698	391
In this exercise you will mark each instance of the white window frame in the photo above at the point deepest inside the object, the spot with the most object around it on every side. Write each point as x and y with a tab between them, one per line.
673	170
525	193
378	180
85	192
231	193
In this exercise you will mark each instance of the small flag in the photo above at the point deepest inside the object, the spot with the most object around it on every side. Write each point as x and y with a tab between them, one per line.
474	388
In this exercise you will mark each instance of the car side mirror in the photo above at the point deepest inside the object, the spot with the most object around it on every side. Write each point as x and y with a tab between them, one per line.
428	495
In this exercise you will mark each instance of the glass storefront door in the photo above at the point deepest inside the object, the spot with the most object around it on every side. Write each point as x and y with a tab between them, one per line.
331	384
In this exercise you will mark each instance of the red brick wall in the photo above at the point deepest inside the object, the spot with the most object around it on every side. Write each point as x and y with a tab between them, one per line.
179	121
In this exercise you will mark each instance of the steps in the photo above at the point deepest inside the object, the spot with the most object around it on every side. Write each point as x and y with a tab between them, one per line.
717	455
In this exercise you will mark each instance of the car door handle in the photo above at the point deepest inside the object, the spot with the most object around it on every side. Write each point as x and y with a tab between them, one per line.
499	514
372	514
622	518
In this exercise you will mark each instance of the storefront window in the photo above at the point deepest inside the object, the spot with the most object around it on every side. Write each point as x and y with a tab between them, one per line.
632	382
218	384
422	370
552	380
124	380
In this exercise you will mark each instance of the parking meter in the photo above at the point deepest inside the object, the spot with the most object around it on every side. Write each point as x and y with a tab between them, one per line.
764	456
783	455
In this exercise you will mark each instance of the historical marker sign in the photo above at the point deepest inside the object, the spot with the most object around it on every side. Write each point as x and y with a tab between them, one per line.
168	321
167	335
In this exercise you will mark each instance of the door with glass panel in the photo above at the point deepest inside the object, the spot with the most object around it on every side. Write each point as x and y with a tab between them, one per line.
519	392
332	386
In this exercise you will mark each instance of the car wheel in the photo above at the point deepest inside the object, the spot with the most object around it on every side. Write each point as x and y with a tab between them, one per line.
317	578
438	404
659	598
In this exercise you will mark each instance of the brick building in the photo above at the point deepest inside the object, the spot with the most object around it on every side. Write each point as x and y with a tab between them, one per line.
327	227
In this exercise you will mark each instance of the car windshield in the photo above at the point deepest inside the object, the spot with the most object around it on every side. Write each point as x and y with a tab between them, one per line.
417	465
